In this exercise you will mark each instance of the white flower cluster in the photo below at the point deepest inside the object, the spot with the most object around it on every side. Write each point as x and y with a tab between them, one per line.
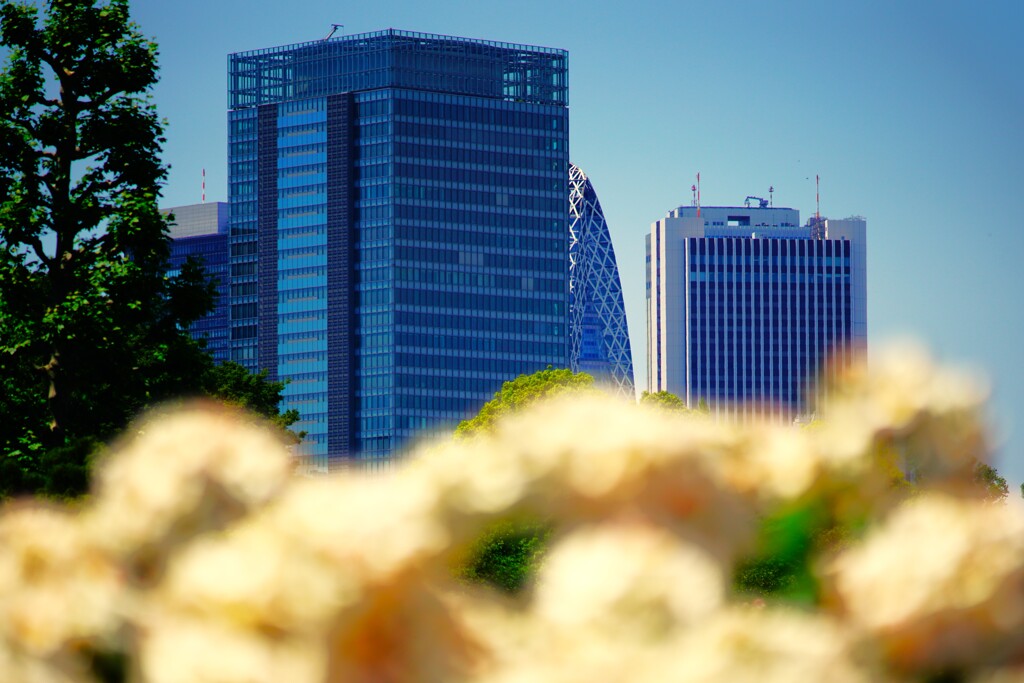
200	559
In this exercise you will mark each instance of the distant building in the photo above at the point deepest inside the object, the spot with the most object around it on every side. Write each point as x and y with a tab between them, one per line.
598	333
201	231
745	305
398	229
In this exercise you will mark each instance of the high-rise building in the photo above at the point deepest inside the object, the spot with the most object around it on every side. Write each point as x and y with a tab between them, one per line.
398	228
745	306
200	231
598	334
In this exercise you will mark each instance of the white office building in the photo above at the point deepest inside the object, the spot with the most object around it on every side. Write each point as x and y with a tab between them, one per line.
746	308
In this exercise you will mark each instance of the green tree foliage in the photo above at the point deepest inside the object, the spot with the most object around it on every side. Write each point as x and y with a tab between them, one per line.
91	328
662	399
88	322
507	554
522	391
234	385
988	480
780	566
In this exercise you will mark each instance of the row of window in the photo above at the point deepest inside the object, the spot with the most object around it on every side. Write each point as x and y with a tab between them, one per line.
758	291
773	277
503	239
504	325
734	246
805	307
487	302
424	170
553	161
500	115
452	257
500	199
514	140
482	280
458	361
766	260
482	387
475	343
445	404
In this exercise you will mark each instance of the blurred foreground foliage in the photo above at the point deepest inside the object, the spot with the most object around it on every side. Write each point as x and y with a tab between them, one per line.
199	557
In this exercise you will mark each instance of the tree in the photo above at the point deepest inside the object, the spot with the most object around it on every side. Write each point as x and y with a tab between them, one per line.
662	399
507	554
522	391
91	328
83	247
992	486
233	384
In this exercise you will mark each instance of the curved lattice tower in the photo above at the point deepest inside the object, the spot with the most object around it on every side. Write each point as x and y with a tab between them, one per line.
599	337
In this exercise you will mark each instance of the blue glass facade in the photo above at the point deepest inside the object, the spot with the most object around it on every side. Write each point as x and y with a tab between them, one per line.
200	231
398	229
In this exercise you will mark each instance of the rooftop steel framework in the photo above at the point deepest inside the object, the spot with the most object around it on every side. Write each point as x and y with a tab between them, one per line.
398	59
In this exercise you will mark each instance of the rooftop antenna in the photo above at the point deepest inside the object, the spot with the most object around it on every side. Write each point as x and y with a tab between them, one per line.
204	186
817	198
771	197
693	190
334	28
698	194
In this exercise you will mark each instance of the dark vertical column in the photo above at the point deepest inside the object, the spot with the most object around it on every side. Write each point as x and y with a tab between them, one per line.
341	278
266	240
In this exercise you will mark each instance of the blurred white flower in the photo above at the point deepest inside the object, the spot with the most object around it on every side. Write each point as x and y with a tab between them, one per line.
741	645
173	649
940	583
629	580
185	473
57	590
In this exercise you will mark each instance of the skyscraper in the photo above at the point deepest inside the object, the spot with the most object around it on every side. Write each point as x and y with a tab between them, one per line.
398	228
598	333
744	305
201	231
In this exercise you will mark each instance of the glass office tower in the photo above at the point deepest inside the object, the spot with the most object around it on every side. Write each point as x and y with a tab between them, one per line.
745	306
398	229
200	231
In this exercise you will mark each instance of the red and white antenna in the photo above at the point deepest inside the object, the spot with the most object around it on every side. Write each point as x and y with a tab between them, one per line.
698	194
817	198
204	186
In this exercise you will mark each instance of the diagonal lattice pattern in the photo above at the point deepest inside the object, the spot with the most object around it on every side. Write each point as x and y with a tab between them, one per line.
599	336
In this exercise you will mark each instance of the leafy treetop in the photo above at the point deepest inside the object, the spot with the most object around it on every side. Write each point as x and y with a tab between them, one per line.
522	391
662	399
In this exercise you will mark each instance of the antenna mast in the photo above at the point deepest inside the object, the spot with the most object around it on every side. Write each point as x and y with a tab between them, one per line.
204	186
698	194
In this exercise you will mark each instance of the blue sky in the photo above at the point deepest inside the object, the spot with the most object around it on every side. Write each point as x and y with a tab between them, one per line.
911	113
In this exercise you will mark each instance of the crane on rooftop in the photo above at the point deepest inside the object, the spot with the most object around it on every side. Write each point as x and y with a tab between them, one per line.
334	28
762	203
